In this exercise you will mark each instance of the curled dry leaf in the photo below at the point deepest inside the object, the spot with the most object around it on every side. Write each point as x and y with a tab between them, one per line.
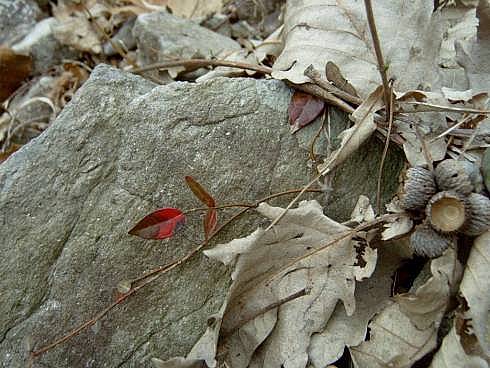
161	224
451	354
316	32
475	288
406	330
352	138
303	109
276	278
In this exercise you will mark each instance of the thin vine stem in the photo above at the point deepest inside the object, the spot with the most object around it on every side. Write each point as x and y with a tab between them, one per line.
153	275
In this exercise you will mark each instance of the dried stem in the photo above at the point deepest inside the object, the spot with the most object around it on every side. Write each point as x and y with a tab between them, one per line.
315	76
266	309
379	55
318	91
155	274
385	152
197	63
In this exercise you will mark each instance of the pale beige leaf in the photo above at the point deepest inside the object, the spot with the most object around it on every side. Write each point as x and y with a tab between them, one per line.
372	295
474	54
399	226
318	31
451	354
406	330
475	288
363	211
427	304
352	138
194	8
270	267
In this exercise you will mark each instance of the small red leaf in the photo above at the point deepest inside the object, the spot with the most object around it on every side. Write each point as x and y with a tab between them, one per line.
200	192
161	224
210	222
303	109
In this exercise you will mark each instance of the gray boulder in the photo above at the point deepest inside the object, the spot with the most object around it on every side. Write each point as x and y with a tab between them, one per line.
119	150
161	36
45	49
17	18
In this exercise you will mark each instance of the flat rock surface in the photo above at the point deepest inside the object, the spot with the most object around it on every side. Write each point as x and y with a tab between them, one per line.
17	17
119	150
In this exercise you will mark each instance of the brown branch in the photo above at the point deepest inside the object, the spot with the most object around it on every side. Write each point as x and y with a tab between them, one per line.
379	55
318	91
198	63
154	275
315	76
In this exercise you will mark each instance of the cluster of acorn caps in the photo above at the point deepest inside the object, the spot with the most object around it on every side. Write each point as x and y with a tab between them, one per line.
446	202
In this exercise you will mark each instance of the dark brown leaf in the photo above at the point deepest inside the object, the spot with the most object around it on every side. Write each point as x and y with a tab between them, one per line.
303	109
14	68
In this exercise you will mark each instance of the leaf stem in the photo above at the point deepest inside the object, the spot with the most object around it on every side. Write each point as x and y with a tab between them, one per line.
379	55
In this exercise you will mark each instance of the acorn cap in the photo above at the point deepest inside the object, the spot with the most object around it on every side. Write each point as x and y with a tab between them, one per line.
454	175
419	187
479	215
427	242
447	212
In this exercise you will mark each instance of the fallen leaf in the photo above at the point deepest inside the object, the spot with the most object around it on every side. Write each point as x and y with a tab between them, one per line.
194	8
270	267
334	75
74	27
161	224
200	192
372	296
451	354
473	54
352	138
14	68
303	109
475	288
406	330
316	32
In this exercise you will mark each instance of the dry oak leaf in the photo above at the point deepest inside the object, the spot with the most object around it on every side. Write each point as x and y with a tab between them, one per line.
475	288
270	268
406	330
318	31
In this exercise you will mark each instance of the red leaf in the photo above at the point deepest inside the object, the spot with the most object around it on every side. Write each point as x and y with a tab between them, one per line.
303	109
161	224
200	192
210	222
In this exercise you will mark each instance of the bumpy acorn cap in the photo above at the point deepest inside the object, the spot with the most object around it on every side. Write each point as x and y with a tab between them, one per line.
427	242
454	175
479	215
419	187
447	212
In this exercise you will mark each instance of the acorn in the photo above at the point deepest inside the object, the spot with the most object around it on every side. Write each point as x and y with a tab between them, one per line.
427	242
447	212
479	219
455	175
419	187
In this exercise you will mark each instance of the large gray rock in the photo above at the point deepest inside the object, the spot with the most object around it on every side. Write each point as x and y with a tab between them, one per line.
161	36
119	150
46	51
17	18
